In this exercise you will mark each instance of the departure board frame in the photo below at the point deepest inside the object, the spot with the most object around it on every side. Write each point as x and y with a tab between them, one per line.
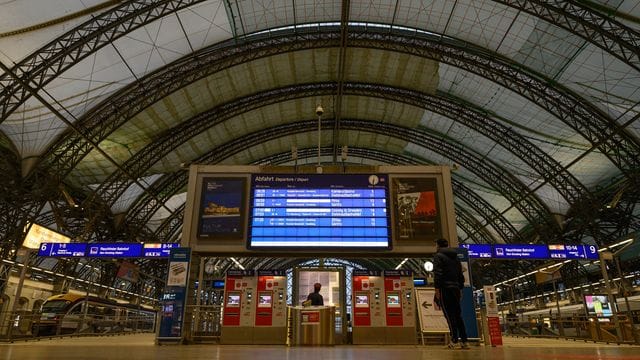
238	246
319	211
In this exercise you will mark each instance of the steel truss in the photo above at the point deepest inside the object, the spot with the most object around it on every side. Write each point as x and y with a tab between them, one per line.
601	30
62	53
588	121
139	164
49	62
550	170
531	207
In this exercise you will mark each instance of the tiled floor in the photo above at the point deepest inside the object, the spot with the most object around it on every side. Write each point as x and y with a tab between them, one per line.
141	346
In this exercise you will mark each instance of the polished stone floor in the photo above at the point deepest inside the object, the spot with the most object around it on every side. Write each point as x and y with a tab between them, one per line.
141	346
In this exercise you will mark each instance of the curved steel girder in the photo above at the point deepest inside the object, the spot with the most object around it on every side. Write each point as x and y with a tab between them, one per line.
601	30
138	164
529	205
596	127
473	228
50	61
54	58
467	114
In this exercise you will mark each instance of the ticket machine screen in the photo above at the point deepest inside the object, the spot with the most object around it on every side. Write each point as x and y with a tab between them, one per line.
264	300
233	300
393	300
362	300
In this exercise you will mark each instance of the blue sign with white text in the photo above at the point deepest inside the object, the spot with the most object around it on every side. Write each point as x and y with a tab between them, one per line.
114	250
62	249
520	251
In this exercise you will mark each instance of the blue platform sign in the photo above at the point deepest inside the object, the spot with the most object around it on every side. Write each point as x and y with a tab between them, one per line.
115	250
62	249
520	251
482	251
158	249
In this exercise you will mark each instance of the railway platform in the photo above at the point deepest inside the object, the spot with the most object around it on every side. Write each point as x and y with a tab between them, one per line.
141	347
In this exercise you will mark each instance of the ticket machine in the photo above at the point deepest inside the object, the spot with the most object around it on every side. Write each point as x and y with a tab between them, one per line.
400	307
383	307
238	317
368	311
271	308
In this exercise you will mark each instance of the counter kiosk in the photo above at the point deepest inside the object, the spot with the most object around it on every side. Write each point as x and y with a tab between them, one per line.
311	325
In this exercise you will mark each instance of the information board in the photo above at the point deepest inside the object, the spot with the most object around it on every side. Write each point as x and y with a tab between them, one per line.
478	250
107	250
319	211
62	249
114	250
520	251
533	252
158	250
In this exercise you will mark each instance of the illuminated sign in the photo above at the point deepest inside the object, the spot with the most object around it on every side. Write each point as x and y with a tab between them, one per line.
158	250
533	252
520	251
114	250
478	250
38	234
62	250
319	211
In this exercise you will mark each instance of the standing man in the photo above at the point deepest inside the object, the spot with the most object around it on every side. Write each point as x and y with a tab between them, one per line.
449	281
315	296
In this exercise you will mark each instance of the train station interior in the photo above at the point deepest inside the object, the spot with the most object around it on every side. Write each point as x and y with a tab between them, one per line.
177	177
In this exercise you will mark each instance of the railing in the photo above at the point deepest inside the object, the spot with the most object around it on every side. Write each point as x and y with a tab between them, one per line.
207	322
25	325
577	329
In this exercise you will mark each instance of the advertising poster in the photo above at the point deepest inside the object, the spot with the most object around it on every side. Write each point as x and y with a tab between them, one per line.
222	208
173	300
431	316
416	209
129	271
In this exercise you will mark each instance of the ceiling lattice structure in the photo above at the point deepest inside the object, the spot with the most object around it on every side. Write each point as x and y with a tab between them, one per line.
535	104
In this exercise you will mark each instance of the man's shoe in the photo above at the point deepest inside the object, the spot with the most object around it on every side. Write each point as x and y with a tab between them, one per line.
464	345
451	346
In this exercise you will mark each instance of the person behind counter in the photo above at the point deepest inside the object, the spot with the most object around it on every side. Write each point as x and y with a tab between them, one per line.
315	297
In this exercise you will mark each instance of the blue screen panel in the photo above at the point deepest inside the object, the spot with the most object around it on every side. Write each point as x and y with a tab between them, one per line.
114	250
520	251
319	211
482	251
158	250
62	250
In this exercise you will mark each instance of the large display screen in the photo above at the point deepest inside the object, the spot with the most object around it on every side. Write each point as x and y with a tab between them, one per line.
598	305
319	211
416	210
222	208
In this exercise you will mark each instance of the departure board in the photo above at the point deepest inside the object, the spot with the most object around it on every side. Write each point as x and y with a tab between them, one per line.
319	211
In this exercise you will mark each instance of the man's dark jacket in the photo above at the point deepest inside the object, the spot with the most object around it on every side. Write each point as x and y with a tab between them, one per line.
447	271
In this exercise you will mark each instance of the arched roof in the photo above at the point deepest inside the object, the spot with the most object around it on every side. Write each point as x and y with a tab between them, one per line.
533	103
